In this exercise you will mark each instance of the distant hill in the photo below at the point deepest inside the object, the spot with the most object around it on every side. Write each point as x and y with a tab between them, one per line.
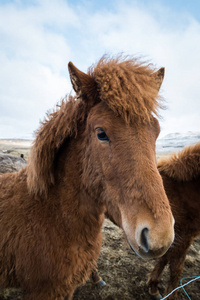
174	142
15	146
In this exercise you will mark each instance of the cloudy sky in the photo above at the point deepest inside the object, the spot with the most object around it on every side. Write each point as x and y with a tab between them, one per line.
39	37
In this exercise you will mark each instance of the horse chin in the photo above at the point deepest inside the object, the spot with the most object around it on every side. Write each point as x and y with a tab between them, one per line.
134	250
147	255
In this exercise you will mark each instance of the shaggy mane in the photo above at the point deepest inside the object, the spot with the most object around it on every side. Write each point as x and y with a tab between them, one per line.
127	87
53	132
182	166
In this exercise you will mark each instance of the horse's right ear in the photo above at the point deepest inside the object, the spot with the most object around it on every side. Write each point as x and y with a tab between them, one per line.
83	84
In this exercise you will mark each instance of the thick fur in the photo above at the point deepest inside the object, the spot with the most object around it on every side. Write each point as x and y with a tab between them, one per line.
128	88
183	166
51	212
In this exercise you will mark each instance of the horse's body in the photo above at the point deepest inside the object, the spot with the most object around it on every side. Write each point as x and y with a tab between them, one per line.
181	177
93	151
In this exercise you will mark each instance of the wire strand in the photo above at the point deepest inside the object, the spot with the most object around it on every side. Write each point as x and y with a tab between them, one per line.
197	277
182	286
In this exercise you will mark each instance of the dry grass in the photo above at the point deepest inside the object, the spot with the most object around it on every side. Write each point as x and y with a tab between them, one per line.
126	273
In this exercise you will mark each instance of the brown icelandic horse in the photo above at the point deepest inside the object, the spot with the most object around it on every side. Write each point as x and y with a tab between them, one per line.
181	177
97	148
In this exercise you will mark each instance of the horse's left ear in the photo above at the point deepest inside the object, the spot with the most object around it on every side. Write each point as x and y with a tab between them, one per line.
159	76
83	84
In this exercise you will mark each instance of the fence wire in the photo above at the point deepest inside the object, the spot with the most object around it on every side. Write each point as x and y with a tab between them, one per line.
182	286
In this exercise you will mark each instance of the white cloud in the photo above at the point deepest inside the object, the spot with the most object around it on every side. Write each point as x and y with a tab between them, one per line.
33	61
41	38
175	45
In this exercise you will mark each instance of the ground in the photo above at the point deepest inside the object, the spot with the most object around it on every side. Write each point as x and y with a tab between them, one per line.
124	272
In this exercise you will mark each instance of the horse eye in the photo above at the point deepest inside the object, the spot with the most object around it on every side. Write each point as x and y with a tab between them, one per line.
101	135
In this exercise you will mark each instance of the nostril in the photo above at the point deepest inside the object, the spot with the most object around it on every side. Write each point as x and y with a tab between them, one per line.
144	239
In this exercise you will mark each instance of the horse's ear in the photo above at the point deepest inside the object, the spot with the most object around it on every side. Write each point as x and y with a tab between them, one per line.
159	76
82	83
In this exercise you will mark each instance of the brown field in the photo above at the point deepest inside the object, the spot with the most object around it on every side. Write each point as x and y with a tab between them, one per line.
124	272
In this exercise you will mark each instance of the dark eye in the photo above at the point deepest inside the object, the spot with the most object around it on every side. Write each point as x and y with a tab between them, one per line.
101	135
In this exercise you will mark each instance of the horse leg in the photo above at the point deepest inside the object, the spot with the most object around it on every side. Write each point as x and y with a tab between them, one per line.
155	276
176	265
96	279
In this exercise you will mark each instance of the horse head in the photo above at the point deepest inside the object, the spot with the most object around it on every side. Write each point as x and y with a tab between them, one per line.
119	164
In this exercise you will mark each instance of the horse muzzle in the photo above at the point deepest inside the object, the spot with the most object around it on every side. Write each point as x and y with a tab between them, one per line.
148	243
